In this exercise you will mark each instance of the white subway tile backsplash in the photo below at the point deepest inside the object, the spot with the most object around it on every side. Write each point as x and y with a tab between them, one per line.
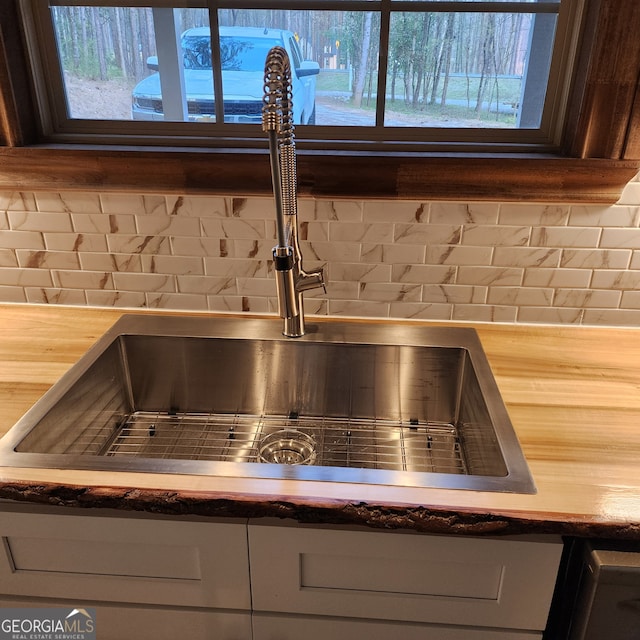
493	262
76	242
36	221
586	298
565	236
458	255
595	259
520	296
526	257
8	258
18	201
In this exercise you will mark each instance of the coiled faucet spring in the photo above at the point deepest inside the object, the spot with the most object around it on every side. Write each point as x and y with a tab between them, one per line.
277	121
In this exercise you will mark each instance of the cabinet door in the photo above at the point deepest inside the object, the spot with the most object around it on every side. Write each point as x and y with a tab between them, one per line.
368	574
120	559
267	626
118	622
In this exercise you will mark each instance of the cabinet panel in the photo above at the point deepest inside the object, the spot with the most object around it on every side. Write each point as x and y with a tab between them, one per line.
116	559
361	574
281	627
115	622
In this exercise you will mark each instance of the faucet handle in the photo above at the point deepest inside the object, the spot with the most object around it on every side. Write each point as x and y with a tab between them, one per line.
313	279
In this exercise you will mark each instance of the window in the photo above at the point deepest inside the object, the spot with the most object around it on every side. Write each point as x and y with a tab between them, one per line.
585	147
398	74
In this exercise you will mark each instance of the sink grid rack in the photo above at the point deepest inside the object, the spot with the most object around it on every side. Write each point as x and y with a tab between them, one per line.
339	442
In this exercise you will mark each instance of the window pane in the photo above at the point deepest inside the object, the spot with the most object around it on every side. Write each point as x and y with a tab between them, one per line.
333	55
468	70
115	60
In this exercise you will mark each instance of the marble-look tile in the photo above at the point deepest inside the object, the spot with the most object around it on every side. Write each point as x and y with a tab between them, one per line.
25	277
484	313
47	259
169	226
123	243
238	304
390	292
555	278
359	272
358	308
103	223
463	213
395	211
595	258
207	285
454	294
586	298
232	228
620	239
82	279
421	311
550	315
459	255
68	202
526	257
565	237
599	216
256	286
494	276
520	296
612	317
8	258
613	279
120	299
110	262
12	294
333	251
55	296
186	302
35	221
427	234
76	242
198	206
232	267
338	210
424	273
144	282
4	221
178	265
631	193
630	300
369	232
483	235
534	214
21	240
17	201
132	204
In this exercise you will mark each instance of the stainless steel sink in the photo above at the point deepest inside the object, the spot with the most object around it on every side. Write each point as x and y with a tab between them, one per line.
348	402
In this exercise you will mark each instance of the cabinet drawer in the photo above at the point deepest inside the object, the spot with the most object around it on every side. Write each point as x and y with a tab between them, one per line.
269	626
115	622
118	559
362	574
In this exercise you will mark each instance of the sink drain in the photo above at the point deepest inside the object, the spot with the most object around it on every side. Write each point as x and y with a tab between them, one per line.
287	446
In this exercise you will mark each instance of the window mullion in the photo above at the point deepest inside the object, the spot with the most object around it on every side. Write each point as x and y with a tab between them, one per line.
383	59
216	64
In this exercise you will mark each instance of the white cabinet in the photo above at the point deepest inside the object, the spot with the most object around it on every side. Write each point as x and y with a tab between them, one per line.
157	578
150	578
268	626
462	581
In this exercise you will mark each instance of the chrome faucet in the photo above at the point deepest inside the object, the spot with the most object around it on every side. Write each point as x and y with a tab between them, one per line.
277	120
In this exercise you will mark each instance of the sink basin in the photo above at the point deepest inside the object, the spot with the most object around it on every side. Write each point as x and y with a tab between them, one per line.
348	402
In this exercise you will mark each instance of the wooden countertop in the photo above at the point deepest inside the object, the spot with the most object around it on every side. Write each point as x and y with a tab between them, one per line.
573	394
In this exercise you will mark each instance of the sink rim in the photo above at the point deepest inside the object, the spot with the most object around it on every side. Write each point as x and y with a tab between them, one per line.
518	478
